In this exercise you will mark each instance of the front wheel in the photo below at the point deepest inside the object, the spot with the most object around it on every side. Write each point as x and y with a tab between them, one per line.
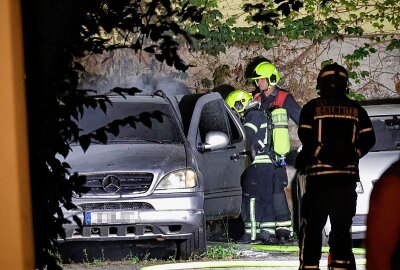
193	246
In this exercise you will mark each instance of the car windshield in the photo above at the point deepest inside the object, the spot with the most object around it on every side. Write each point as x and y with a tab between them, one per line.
162	129
387	132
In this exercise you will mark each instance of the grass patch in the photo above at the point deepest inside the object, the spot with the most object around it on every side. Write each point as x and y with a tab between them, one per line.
222	252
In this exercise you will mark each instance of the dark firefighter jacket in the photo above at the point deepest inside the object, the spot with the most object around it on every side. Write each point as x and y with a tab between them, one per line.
255	124
335	134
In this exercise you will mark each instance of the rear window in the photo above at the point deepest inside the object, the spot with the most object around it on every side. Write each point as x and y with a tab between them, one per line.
387	132
163	128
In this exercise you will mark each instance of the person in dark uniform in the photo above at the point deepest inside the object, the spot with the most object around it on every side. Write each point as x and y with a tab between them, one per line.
335	132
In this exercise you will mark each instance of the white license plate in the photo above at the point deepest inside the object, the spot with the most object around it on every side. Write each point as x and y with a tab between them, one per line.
111	217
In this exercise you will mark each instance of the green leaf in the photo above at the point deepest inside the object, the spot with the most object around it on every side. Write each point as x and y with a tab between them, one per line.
84	141
364	74
101	136
393	45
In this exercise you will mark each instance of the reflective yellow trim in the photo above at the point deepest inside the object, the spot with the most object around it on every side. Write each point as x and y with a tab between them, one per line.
248	231
283	223
305	126
317	150
336	116
310	267
365	130
353	138
320	130
267	224
321	166
340	261
332	72
350	166
252	126
262	159
253	230
359	152
248	224
262	162
332	172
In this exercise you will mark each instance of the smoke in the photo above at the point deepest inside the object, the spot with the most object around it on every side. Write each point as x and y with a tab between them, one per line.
147	83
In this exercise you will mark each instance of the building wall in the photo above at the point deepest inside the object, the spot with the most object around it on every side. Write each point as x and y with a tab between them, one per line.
297	61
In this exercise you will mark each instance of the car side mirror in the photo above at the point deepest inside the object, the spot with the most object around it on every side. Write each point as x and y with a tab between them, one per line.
214	140
393	123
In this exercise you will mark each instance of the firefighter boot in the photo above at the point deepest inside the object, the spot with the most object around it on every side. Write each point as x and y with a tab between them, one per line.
341	264
265	237
245	239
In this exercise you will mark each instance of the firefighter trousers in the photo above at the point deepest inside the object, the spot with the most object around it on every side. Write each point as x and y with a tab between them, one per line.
334	196
264	200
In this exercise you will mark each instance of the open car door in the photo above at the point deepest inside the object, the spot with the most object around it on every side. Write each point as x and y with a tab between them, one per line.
207	121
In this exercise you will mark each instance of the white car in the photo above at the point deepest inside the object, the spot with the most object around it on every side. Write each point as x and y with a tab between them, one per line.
385	117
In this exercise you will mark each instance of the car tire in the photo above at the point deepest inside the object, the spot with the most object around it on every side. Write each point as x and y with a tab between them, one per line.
193	246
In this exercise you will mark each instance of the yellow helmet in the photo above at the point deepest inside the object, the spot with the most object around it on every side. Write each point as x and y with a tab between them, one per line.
239	100
268	71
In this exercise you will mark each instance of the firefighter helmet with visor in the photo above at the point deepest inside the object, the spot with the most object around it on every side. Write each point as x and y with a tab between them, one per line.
240	100
268	71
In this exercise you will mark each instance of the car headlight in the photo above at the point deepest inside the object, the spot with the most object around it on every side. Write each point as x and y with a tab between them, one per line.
178	179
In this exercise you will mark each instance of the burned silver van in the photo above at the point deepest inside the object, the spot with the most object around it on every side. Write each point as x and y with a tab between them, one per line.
160	180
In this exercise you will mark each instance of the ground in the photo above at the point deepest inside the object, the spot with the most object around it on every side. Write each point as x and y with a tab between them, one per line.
112	256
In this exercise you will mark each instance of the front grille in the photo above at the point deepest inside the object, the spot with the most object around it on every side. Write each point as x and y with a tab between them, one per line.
129	183
114	206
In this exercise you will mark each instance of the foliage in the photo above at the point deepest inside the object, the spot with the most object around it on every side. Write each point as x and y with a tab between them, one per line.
269	23
56	33
219	32
218	252
141	25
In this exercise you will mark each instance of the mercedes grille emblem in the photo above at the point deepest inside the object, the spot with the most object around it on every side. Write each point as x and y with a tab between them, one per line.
111	184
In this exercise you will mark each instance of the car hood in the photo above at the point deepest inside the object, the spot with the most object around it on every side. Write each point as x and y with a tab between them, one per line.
374	164
127	157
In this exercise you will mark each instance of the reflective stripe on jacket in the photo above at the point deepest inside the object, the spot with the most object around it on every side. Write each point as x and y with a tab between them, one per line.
256	126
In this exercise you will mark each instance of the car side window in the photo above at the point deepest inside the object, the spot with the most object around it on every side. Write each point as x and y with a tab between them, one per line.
387	133
235	135
214	118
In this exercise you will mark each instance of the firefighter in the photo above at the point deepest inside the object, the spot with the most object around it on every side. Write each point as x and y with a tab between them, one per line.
266	77
335	133
262	210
